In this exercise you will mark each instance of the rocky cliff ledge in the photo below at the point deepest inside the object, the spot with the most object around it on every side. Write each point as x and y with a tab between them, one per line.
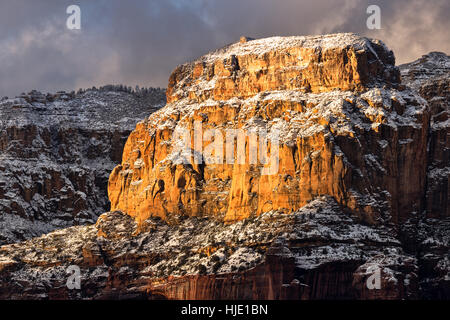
349	201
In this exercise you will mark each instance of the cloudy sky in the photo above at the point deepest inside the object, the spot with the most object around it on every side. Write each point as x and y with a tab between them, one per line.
137	42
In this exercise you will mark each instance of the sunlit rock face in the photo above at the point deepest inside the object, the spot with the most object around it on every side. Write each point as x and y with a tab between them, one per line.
346	128
56	154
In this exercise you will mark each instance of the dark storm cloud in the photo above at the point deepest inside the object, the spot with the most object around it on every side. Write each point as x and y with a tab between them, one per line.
141	42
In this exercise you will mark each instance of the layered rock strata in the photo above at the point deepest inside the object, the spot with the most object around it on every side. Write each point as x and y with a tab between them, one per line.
316	252
56	153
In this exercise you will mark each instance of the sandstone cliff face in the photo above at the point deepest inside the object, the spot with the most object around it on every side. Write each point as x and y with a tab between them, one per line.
312	253
56	153
347	128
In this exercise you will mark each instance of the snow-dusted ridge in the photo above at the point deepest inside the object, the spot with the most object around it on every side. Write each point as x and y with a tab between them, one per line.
261	46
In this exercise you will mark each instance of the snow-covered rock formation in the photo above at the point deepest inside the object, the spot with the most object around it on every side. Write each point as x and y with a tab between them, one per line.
347	216
56	153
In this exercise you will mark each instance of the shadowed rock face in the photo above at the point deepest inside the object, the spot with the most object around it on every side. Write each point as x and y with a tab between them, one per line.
56	153
349	203
428	233
354	133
